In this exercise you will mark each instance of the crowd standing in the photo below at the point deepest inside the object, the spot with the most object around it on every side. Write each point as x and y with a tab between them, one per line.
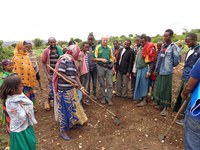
72	72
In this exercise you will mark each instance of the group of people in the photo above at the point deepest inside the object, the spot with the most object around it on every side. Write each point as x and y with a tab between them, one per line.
70	71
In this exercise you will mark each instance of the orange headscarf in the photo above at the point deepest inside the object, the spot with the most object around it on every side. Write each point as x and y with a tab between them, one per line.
23	66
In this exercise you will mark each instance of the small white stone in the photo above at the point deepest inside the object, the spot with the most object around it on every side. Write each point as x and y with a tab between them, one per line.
162	141
146	135
80	145
156	119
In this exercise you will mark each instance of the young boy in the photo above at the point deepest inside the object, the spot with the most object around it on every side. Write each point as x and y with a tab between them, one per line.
33	59
84	68
153	75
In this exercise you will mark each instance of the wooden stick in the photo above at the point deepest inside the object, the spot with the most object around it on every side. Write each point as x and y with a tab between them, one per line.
70	82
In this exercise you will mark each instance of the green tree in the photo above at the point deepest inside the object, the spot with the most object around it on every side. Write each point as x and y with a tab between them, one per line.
13	45
62	43
77	40
38	42
130	35
1	45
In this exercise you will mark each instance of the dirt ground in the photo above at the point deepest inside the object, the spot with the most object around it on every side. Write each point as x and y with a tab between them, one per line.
139	128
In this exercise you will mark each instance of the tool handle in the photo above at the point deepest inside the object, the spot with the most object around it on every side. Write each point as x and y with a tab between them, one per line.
81	91
177	115
101	105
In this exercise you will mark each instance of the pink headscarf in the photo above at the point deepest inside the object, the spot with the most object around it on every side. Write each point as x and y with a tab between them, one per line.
74	51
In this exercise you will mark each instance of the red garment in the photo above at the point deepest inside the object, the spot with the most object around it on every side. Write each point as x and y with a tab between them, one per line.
153	76
149	52
116	53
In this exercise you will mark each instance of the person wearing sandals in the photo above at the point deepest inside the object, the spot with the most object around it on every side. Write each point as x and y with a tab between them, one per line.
50	57
70	111
24	68
168	57
21	113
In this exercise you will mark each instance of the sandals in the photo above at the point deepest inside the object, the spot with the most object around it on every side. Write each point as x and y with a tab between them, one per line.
65	137
47	106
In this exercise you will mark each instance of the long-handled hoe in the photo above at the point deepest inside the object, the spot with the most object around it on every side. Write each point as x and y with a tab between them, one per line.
116	119
162	137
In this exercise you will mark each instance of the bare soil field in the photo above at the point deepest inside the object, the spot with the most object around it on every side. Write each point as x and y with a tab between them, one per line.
139	128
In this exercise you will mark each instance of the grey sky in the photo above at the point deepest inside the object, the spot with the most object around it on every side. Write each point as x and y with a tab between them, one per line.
63	19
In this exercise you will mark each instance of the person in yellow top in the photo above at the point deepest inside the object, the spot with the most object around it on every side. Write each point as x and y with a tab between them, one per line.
24	68
105	68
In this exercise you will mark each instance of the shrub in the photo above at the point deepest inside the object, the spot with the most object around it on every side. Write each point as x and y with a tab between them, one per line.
38	42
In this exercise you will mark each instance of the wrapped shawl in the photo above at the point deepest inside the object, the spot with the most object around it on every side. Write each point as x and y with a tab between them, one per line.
23	65
149	52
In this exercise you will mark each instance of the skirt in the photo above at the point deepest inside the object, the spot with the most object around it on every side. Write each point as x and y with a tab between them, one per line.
163	94
28	91
141	84
70	111
24	140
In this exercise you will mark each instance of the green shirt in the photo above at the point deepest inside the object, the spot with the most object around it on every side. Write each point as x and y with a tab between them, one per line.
140	63
5	74
104	52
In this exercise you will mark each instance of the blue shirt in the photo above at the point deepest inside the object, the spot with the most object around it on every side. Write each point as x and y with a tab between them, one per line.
195	73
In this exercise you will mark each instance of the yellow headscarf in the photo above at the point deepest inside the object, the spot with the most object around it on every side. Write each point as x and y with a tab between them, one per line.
23	66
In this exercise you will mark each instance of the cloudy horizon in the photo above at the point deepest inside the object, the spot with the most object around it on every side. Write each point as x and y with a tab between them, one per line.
66	19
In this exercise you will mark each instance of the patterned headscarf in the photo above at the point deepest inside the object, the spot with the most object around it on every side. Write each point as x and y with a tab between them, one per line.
23	66
20	49
74	51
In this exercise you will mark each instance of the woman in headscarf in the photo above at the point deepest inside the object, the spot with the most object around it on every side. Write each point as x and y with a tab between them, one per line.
24	68
70	111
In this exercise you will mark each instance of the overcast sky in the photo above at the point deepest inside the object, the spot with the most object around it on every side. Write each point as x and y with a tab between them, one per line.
63	19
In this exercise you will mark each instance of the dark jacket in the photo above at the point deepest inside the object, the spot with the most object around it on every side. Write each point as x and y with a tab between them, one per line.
126	64
92	64
190	62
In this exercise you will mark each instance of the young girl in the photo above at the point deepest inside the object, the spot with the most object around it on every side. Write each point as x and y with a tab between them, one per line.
7	66
20	110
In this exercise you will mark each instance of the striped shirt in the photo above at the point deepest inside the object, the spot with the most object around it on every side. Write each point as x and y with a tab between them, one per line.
68	67
86	61
53	59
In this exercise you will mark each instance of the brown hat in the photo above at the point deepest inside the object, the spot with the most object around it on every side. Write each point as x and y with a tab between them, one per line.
5	62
